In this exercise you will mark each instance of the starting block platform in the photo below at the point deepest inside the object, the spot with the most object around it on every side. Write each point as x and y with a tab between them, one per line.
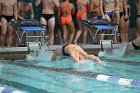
102	27
23	27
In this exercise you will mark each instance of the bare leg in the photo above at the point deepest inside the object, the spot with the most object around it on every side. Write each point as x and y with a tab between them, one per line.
9	35
43	22
138	27
122	30
64	28
3	31
84	34
126	29
79	32
84	17
72	31
51	25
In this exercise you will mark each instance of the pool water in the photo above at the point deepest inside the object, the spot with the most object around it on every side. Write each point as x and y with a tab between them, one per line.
32	80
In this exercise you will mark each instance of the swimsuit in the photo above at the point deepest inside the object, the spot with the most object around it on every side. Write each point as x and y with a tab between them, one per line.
138	16
135	47
121	14
63	51
8	18
67	19
125	14
47	16
110	14
80	14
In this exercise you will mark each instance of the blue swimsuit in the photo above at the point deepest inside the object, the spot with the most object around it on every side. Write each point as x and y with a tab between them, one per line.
63	51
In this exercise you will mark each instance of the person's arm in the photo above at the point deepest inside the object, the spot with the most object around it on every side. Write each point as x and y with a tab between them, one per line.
18	9
101	9
53	57
0	7
129	14
91	6
57	5
37	2
15	10
32	11
75	56
117	12
92	57
125	9
73	9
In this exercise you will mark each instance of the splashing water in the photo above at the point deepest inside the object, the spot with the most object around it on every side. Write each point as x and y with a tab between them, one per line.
113	53
39	55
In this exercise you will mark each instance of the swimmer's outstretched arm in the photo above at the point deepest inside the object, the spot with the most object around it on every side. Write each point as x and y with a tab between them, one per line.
75	57
92	57
53	58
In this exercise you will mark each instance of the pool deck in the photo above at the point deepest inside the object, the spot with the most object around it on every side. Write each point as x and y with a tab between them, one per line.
17	53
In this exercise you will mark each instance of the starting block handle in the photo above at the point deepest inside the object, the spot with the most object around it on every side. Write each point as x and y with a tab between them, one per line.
33	46
106	42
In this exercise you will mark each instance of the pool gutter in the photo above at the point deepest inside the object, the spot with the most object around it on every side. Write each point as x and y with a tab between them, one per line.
17	53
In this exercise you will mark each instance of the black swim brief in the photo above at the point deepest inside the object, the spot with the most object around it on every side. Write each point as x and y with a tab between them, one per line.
63	51
121	14
8	18
136	47
138	16
48	16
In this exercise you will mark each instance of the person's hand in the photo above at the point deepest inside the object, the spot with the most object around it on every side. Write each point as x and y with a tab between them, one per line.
103	17
126	17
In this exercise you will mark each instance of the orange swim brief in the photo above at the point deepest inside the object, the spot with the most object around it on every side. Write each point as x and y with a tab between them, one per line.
79	15
66	20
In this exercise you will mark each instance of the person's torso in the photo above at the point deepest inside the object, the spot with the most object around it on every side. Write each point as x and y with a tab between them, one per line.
82	5
66	9
109	5
8	7
48	7
25	11
96	7
121	5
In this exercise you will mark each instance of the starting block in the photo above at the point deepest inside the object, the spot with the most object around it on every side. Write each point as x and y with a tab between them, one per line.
106	44
33	46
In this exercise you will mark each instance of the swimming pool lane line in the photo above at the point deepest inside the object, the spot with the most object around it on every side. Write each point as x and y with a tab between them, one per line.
121	61
97	76
8	90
